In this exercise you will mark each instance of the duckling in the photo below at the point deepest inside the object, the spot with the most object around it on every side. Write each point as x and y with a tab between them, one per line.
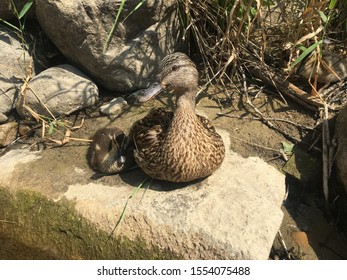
176	146
332	68
109	152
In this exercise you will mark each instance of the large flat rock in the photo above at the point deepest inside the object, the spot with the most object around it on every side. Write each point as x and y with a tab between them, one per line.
233	214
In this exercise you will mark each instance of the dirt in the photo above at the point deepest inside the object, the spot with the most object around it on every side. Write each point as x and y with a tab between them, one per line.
306	232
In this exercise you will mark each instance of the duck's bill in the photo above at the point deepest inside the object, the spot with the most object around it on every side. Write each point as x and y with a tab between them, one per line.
121	160
151	92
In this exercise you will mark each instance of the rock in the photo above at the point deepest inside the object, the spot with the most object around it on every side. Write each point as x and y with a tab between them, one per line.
25	130
340	136
62	89
304	167
3	118
80	29
300	238
115	106
8	133
233	214
13	67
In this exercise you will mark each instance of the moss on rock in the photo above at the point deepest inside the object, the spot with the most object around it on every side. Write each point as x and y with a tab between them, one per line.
56	227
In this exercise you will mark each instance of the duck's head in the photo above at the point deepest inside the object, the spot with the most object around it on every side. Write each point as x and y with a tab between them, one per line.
177	73
107	151
117	145
332	67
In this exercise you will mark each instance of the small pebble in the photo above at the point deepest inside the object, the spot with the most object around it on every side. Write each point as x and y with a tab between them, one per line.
8	133
24	130
3	118
300	237
114	107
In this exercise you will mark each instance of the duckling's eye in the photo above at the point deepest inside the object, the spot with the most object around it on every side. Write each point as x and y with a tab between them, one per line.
174	67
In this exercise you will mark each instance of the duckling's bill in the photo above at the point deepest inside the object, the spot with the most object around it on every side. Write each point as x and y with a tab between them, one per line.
150	92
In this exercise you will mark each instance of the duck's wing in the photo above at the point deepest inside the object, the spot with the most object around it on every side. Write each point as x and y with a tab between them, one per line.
150	132
216	140
207	125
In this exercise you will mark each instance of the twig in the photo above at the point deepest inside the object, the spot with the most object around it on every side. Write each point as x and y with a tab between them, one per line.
325	154
270	77
283	244
7	222
273	158
256	110
283	154
25	86
62	142
314	142
41	102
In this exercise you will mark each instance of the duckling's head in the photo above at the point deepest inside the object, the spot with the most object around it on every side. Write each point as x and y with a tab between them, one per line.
177	73
108	150
117	147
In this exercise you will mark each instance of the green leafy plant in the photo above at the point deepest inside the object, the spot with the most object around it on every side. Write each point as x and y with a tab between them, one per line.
21	17
288	148
326	12
306	52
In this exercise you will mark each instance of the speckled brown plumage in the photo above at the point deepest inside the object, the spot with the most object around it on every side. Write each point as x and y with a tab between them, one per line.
177	146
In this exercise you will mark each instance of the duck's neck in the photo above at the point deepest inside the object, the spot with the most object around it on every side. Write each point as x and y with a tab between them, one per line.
186	101
184	116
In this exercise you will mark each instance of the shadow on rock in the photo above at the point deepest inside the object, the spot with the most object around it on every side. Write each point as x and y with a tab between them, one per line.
306	203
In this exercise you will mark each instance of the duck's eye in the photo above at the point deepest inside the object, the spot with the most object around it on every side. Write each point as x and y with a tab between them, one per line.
174	67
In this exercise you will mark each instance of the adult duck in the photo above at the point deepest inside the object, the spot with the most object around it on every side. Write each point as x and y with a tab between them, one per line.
177	146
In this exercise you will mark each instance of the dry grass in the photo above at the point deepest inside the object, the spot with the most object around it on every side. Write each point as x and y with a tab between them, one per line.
277	33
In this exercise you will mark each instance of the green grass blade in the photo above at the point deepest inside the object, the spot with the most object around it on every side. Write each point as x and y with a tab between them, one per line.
114	25
136	8
51	129
14	9
10	25
25	8
332	4
306	53
323	16
121	218
147	187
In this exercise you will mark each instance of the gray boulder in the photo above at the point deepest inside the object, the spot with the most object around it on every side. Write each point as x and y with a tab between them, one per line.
6	11
62	89
80	28
340	136
13	68
8	133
